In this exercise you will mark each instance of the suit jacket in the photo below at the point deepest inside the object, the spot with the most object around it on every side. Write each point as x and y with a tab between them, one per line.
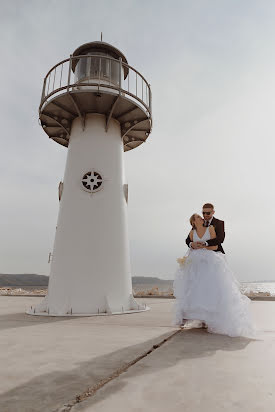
220	235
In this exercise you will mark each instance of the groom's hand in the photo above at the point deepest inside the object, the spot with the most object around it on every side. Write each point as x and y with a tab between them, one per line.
200	245
196	245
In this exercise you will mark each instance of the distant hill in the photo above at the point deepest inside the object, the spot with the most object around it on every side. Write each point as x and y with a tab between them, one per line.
23	280
41	280
148	279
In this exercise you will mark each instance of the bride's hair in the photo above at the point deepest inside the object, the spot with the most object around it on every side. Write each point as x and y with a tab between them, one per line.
192	220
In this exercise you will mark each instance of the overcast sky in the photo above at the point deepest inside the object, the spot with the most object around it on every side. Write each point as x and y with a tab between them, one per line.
211	66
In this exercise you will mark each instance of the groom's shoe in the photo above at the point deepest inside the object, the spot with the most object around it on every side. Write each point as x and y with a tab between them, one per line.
204	325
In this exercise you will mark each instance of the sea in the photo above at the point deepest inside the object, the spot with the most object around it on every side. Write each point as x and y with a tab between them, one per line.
167	286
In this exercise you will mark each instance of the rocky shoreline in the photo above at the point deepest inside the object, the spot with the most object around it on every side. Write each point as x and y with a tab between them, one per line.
7	291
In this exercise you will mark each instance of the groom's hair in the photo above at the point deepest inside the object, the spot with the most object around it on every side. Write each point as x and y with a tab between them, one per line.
208	206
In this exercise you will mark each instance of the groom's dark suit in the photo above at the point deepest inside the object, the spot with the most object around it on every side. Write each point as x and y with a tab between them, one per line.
220	235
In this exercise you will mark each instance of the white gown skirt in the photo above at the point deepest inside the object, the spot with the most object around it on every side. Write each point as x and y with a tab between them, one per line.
206	289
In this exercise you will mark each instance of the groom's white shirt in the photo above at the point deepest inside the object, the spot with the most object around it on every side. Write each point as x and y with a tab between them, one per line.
210	221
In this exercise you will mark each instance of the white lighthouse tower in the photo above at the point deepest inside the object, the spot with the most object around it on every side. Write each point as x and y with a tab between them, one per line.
98	106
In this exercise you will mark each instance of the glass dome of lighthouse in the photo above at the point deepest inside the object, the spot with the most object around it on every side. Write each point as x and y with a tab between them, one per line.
100	61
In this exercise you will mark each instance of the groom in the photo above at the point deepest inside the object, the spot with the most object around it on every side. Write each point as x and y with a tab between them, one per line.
209	219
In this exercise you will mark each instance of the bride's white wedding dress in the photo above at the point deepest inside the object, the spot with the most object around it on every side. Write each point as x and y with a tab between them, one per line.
206	289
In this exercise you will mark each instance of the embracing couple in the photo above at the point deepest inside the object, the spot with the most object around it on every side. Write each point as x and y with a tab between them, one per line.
205	287
199	237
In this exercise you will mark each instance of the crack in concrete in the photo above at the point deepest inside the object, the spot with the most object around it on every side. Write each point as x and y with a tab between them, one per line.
93	389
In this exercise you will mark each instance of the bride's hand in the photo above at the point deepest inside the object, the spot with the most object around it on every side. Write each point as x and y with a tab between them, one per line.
201	245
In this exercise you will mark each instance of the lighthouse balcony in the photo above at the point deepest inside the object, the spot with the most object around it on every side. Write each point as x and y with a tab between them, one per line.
96	83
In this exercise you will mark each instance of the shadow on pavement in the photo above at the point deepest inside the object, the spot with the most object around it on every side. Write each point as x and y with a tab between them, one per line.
49	391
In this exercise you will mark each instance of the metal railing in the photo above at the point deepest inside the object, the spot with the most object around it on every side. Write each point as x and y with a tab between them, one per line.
102	72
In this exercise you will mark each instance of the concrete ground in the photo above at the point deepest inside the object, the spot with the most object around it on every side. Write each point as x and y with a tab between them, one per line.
132	362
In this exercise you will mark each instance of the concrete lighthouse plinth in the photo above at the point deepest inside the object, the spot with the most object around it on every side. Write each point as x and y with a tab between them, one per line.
97	120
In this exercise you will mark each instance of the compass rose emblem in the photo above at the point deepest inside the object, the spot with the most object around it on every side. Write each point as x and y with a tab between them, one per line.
92	181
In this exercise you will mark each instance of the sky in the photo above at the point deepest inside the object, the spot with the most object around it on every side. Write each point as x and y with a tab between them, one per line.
211	66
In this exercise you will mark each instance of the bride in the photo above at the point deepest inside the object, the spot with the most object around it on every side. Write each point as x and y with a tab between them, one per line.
206	289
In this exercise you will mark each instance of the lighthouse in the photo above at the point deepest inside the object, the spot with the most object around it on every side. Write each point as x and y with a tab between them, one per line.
98	106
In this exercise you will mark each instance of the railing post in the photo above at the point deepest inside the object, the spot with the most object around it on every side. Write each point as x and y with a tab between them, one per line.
61	75
69	74
54	78
120	73
43	90
49	82
150	99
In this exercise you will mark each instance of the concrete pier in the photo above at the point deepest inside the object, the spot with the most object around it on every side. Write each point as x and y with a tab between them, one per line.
132	362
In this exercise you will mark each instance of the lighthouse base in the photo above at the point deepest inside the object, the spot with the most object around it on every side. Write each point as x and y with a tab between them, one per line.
43	309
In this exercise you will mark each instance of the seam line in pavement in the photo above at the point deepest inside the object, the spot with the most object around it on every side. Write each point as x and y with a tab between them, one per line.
93	389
